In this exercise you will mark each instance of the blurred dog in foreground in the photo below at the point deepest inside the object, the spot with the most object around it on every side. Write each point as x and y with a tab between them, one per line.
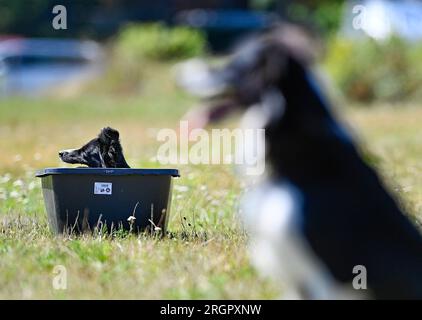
105	151
321	211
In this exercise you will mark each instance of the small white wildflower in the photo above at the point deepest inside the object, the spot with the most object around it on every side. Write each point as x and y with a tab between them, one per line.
131	219
17	158
37	156
181	188
18	183
14	194
32	185
203	187
6	178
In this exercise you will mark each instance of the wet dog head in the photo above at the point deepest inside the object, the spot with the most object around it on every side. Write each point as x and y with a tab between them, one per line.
104	151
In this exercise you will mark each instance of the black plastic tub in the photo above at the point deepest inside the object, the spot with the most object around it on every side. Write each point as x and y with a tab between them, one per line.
81	199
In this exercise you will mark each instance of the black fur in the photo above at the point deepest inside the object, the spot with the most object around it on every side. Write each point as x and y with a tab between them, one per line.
349	218
105	151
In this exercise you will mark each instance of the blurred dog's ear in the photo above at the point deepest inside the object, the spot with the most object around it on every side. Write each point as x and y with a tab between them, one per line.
298	42
108	135
284	44
274	60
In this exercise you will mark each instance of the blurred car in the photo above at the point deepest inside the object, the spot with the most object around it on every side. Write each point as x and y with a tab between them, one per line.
379	19
32	66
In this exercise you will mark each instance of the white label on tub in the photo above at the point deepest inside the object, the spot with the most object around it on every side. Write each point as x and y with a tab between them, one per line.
103	188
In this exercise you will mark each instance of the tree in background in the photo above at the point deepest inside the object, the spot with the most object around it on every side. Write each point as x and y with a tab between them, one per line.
325	15
99	18
33	17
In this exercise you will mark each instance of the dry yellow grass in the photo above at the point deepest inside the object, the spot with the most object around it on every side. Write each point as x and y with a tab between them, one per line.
208	259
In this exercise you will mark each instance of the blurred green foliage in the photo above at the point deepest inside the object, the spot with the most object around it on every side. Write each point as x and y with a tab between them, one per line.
101	18
324	14
158	42
139	48
366	70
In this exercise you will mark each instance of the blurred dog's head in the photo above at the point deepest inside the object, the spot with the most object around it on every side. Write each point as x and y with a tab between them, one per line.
259	69
271	78
104	151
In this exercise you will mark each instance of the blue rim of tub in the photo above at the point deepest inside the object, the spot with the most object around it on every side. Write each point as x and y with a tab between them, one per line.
106	171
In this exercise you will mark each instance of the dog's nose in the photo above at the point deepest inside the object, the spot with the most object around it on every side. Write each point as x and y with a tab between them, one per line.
61	153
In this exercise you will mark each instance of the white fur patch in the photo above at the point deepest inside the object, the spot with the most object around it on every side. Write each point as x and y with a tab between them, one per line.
67	151
272	214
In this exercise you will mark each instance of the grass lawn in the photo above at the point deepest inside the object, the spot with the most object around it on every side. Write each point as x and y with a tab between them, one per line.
206	256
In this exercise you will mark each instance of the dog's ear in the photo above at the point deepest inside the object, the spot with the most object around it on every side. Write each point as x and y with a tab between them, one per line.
108	135
299	42
110	147
273	62
285	44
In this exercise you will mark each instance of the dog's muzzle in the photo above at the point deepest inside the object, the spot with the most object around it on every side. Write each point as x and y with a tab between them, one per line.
64	153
